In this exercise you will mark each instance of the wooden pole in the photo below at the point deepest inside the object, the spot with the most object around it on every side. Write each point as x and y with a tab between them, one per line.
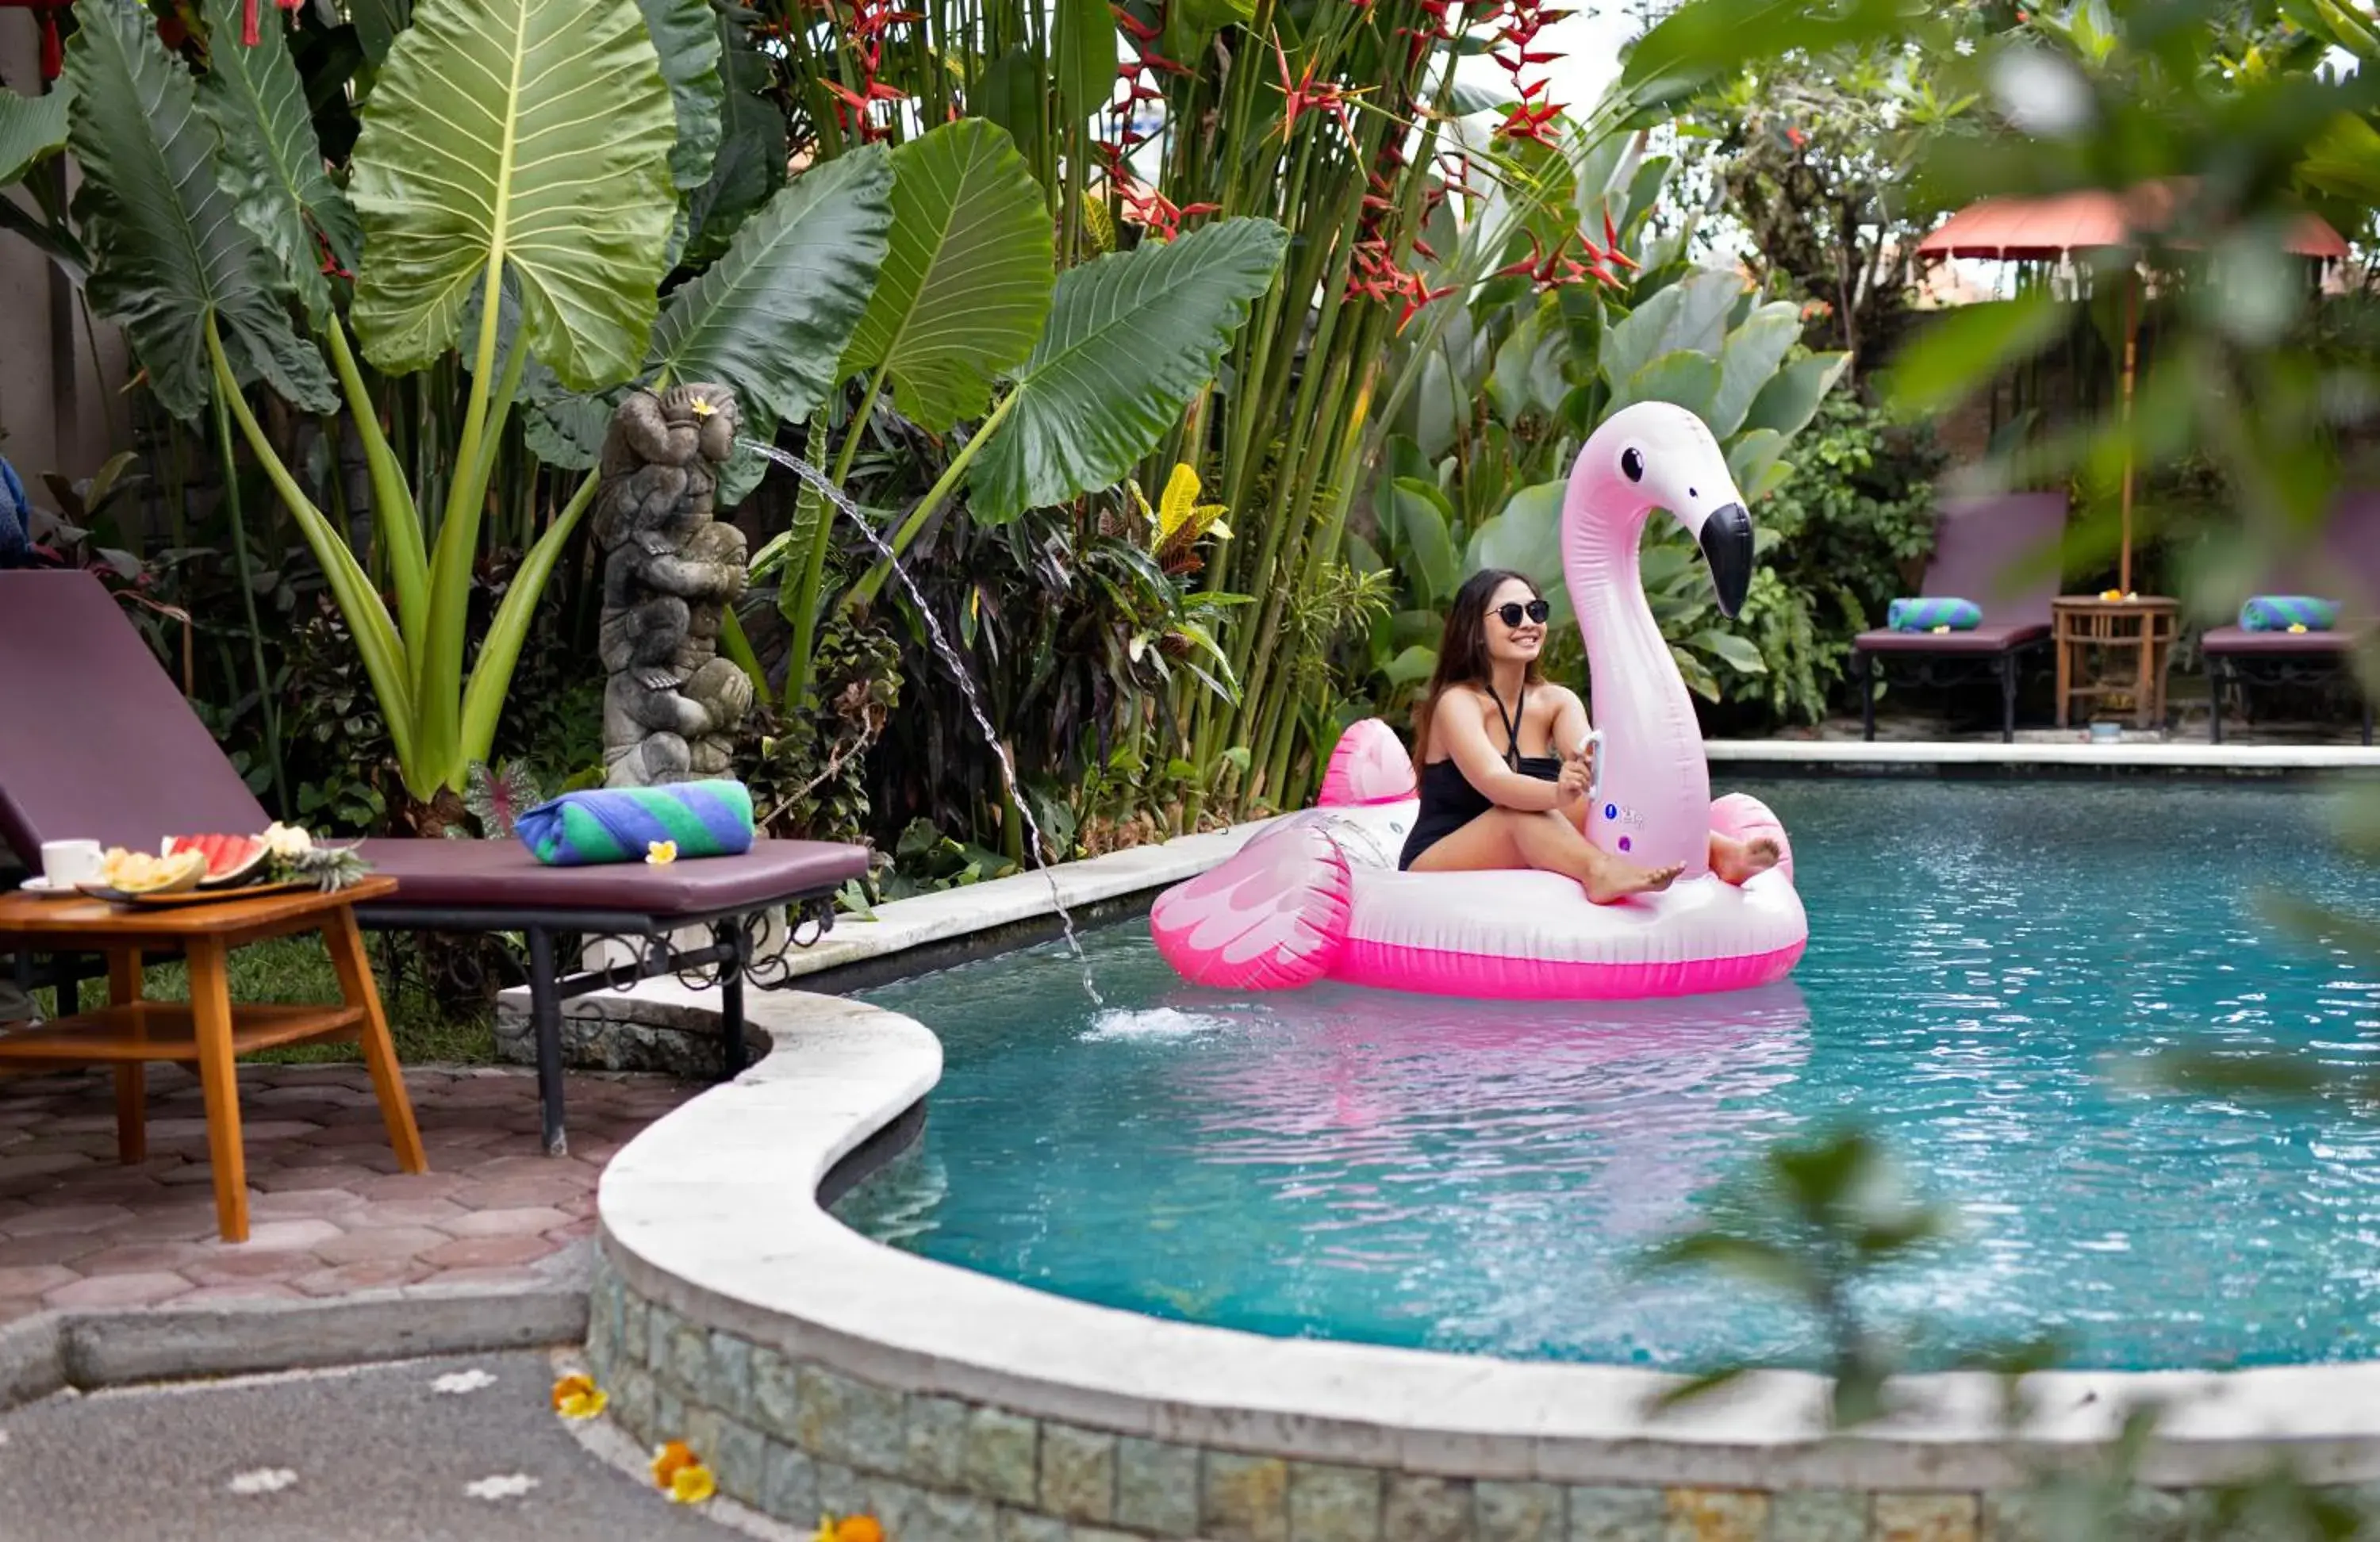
2132	357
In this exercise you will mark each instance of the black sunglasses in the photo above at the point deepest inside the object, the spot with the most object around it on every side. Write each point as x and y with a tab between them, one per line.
1512	611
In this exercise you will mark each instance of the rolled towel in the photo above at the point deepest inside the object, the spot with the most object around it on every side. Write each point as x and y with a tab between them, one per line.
1933	615
622	824
2280	613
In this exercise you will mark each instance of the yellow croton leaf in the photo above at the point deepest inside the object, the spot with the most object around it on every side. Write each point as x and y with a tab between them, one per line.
576	1396
1180	508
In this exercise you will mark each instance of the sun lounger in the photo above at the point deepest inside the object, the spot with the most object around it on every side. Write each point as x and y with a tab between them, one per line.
97	742
2346	568
1977	543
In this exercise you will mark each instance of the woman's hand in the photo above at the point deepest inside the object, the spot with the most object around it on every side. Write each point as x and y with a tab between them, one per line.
1577	776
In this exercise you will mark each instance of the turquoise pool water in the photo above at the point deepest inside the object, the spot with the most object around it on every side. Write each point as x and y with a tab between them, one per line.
1478	1177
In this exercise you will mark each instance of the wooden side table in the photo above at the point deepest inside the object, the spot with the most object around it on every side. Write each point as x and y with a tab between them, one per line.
208	1030
2089	633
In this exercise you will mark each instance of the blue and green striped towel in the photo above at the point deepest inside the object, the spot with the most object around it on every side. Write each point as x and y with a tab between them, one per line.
1925	615
620	824
2278	613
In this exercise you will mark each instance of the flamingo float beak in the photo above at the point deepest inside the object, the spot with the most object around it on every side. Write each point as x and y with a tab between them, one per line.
1727	545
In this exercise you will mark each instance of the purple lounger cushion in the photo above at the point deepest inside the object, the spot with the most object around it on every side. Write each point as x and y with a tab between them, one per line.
1990	637
96	743
1976	543
498	875
2349	558
2238	639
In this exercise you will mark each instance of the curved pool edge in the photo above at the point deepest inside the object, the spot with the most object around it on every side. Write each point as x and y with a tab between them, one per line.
818	1369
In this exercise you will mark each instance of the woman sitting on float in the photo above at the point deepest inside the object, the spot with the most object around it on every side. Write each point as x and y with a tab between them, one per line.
1643	887
1507	786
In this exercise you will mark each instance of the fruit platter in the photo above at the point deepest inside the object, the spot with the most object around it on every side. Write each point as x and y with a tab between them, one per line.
199	869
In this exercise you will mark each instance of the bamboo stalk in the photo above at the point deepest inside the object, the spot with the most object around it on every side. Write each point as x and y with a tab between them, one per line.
265	704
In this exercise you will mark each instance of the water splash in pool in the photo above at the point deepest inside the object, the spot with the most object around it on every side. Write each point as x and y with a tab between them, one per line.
950	656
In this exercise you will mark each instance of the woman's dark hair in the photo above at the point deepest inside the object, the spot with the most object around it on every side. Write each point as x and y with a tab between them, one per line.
1462	652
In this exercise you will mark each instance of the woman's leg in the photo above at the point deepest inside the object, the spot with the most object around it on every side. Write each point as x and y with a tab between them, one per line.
1507	838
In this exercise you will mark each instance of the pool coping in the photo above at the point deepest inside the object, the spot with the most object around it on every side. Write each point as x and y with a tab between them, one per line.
2059	757
712	1213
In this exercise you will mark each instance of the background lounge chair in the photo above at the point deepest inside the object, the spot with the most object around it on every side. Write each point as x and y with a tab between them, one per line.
1977	543
2347	568
97	742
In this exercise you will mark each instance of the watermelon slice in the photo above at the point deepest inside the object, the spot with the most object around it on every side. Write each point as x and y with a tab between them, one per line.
229	857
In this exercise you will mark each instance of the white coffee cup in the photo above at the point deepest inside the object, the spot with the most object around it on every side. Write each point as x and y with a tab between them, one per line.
68	863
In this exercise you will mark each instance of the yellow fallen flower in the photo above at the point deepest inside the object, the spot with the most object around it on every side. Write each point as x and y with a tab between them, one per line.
670	1460
851	1528
576	1396
660	852
692	1485
2297	626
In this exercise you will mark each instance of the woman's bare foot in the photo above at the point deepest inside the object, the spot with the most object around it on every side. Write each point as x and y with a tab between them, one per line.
1735	861
1614	880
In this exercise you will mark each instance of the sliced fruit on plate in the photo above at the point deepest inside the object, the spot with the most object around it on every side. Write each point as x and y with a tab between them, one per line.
229	857
137	873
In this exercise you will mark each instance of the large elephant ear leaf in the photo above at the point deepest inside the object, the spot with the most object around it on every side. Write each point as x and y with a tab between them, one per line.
31	129
531	133
966	281
1131	338
773	315
1790	398
156	216
686	38
750	160
272	162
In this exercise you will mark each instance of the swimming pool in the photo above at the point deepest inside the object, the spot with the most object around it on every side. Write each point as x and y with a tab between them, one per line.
1478	1177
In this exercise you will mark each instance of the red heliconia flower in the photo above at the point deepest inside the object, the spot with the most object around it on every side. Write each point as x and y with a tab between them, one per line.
1611	243
1416	296
1525	122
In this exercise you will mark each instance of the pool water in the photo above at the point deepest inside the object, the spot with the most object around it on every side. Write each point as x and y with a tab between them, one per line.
1482	1177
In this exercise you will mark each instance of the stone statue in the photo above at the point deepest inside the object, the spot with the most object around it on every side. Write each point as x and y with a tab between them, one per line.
672	704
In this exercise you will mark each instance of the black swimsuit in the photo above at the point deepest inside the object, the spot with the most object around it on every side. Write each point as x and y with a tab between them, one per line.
1448	801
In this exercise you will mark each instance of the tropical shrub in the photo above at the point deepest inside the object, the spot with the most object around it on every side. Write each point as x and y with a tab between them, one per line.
1846	533
1519	379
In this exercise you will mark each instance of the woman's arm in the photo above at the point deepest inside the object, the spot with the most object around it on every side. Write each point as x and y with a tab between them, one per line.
1457	725
1571	727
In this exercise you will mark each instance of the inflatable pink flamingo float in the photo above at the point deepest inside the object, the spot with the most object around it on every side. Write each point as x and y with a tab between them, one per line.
1317	895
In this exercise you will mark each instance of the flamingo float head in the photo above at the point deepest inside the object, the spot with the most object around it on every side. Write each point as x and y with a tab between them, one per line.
1652	455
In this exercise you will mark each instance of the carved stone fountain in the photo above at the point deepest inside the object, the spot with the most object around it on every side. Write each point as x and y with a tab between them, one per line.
672	704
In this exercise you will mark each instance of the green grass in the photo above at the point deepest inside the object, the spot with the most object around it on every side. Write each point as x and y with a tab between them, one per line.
296	969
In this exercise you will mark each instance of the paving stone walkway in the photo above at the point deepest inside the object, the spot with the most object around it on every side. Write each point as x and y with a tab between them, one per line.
464	1449
329	1212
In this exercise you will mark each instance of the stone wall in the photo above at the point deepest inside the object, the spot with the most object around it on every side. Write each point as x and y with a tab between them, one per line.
793	1440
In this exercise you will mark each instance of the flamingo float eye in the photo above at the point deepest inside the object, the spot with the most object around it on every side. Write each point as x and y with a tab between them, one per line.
1631	465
